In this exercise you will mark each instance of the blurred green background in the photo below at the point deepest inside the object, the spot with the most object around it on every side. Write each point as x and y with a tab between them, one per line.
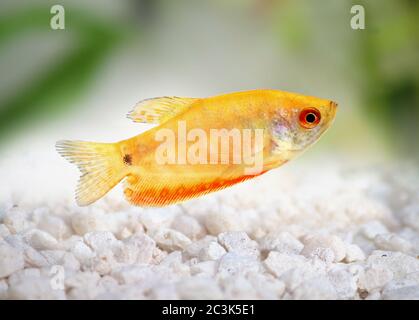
129	50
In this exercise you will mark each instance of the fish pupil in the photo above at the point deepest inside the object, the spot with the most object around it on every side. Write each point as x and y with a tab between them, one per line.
310	117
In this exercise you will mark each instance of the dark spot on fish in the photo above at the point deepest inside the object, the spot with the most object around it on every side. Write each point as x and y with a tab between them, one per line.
128	159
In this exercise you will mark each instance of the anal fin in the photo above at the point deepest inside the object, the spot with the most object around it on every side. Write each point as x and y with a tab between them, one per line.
148	193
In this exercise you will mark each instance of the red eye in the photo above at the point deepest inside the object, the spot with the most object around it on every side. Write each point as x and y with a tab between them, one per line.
309	118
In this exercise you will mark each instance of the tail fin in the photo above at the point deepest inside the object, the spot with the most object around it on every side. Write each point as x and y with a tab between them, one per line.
101	165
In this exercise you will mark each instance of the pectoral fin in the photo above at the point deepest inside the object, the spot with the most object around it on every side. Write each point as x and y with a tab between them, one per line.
159	110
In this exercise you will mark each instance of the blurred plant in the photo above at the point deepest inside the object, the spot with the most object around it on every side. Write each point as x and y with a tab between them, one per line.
389	70
379	64
53	90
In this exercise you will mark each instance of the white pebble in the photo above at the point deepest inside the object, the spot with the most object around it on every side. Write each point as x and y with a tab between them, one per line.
82	280
315	289
108	283
233	264
239	288
189	226
207	268
34	258
69	243
198	288
165	291
3	289
406	293
158	217
297	273
344	282
211	251
4	231
124	233
278	263
282	242
174	262
325	254
373	228
138	248
88	222
266	286
169	239
82	252
353	253
39	214
16	221
35	288
398	263
194	249
224	220
53	257
82	285
20	275
132	274
69	261
55	226
100	240
239	243
312	243
410	216
392	242
158	255
104	262
374	295
40	240
374	278
6	204
401	290
11	260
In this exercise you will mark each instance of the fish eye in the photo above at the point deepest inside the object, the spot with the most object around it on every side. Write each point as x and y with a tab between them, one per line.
309	118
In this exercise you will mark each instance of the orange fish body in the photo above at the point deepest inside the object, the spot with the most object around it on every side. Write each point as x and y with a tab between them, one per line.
200	145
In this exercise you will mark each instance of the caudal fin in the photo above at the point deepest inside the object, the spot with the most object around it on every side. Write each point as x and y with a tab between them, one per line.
101	166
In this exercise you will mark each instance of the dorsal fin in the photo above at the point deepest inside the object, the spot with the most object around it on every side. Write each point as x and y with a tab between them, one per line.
159	110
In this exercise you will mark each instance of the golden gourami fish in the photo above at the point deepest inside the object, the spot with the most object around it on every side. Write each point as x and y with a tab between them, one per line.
200	145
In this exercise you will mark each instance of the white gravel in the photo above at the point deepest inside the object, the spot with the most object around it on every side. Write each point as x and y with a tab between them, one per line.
307	232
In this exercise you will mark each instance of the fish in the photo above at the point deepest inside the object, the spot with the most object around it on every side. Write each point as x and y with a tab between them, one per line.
199	145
